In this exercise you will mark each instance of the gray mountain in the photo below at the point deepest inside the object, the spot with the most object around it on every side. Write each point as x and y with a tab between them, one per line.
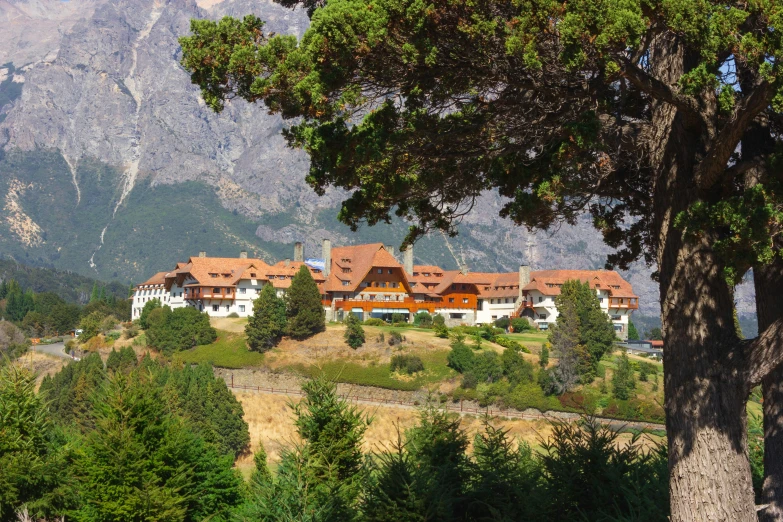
113	166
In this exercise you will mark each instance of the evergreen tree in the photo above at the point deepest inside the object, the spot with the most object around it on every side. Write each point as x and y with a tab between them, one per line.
564	338
516	369
90	326
633	334
461	358
149	306
306	315
181	329
3	289
623	380
124	360
95	294
102	293
543	356
354	333
266	326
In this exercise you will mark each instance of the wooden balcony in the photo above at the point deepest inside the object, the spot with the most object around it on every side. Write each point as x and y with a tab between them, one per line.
631	303
197	294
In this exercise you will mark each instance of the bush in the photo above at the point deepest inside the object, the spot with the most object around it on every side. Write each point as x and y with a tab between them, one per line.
374	321
149	306
131	331
409	364
112	336
397	318
503	322
233	315
461	357
469	381
520	325
354	333
505	342
91	326
515	367
181	329
422	319
623	381
487	367
543	356
395	338
108	324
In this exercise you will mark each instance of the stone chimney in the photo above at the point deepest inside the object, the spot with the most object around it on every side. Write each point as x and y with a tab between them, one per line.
407	260
298	251
287	263
524	279
390	249
202	254
243	254
326	253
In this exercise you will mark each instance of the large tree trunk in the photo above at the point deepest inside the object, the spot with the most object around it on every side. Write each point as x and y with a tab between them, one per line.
768	281
705	388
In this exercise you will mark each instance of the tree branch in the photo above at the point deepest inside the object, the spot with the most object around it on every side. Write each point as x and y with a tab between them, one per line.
659	90
765	352
714	163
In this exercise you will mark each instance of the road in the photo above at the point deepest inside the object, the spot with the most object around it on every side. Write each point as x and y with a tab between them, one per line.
56	349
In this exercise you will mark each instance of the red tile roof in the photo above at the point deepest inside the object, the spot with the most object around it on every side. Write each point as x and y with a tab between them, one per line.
351	264
548	282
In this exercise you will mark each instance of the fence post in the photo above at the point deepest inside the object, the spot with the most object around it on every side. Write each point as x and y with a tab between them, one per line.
232	379
460	405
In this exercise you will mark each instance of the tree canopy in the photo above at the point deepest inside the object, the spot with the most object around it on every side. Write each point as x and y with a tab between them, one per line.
267	325
306	314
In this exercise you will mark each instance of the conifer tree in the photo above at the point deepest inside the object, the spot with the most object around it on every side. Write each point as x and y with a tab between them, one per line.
633	333
267	325
354	333
543	356
306	315
95	294
564	338
623	380
3	289
149	306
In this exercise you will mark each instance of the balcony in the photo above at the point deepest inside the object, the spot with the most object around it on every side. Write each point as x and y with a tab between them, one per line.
630	303
195	294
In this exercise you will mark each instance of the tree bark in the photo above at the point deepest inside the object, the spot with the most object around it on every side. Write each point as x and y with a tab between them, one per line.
768	281
705	381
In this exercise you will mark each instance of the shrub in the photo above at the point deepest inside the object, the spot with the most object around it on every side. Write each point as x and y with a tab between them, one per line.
183	328
503	323
543	356
623	381
374	321
520	325
395	337
397	318
354	333
515	367
91	326
112	336
422	319
439	325
461	357
469	381
131	331
409	364
108	323
233	315
149	306
94	343
505	342
487	367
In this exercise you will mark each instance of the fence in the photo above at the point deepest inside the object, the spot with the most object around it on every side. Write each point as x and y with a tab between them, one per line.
461	408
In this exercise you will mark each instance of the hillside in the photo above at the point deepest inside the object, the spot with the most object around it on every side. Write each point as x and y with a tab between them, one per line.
112	166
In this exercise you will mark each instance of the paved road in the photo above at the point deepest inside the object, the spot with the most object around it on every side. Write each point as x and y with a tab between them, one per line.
56	349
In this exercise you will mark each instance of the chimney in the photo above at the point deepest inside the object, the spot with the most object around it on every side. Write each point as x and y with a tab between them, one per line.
202	254
326	253
287	263
390	249
243	254
524	279
298	251
407	260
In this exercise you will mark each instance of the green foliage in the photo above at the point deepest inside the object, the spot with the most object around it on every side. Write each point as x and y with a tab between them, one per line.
306	315
354	333
91	326
397	318
395	338
487	367
12	341
122	361
505	342
623	380
756	452
374	321
503	322
149	306
633	334
268	323
646	369
439	325
521	325
409	364
654	335
543	355
461	358
515	368
183	328
422	319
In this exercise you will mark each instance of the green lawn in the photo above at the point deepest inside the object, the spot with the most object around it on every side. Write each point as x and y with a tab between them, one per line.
529	339
380	376
229	351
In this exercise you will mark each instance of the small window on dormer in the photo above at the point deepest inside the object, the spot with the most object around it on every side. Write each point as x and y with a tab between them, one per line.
253	275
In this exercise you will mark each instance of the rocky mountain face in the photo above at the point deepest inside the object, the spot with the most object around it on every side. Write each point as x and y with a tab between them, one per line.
113	166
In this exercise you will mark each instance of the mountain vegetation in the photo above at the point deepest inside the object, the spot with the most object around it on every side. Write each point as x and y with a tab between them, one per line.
172	331
306	315
267	325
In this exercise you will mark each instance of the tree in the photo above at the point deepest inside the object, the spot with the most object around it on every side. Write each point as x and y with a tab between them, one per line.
515	367
90	326
267	325
633	335
354	333
543	356
661	120
654	334
95	295
422	319
461	358
439	326
149	306
179	329
564	338
623	381
306	315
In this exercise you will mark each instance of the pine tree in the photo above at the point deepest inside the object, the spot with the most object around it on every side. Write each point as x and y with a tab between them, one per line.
3	289
266	326
623	380
543	356
354	333
633	334
306	315
564	338
95	295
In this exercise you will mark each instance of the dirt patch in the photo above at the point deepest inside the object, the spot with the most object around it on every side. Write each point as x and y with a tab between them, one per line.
41	364
228	324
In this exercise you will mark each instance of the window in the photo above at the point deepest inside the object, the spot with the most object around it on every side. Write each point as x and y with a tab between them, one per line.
365	284
253	275
616	318
543	326
618	328
465	300
387	298
601	300
464	287
508	300
216	291
346	283
426	274
242	308
380	270
451	299
215	308
213	275
389	271
393	284
540	299
243	290
383	284
542	316
258	291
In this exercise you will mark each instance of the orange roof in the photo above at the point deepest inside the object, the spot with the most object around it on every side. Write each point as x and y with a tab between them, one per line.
548	282
351	264
157	279
282	273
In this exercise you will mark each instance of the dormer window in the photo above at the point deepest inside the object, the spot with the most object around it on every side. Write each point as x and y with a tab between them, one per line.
213	275
426	274
253	275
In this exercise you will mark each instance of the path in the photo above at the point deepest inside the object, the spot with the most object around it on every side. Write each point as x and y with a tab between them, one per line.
56	349
553	416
